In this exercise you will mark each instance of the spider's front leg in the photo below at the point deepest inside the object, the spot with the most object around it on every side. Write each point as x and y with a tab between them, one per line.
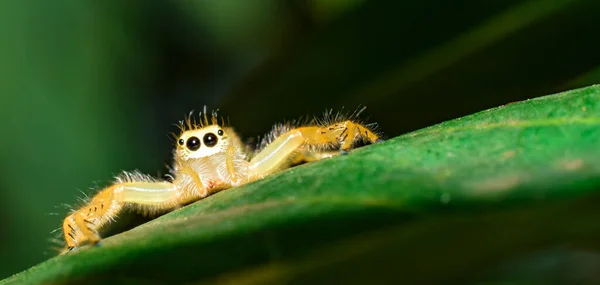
345	133
313	141
308	155
81	226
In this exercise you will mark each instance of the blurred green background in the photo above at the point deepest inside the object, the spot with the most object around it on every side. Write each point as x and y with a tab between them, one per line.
90	88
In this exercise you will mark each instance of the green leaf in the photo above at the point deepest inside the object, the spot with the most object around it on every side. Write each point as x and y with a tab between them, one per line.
458	201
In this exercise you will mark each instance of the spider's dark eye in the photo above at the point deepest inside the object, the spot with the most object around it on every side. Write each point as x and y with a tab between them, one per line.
210	140
181	141
193	143
220	132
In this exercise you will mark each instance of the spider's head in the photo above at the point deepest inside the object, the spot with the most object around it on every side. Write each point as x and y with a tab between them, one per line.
202	142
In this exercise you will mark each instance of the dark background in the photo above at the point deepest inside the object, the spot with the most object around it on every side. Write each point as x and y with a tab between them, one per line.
92	88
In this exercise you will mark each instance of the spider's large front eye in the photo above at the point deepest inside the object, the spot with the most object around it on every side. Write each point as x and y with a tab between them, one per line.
193	143
210	140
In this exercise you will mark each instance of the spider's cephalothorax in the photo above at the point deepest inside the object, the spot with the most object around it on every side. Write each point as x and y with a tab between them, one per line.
210	157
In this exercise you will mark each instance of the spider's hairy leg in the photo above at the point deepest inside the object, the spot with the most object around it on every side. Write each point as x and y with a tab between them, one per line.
309	143
309	155
345	133
275	154
81	226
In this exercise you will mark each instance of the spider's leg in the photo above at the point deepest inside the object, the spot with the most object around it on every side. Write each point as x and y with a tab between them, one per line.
317	139
343	133
309	155
81	227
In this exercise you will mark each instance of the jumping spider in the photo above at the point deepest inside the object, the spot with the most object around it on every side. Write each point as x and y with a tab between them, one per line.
210	157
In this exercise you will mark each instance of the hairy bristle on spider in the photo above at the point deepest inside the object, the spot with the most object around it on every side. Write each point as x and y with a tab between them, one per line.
191	122
133	176
329	117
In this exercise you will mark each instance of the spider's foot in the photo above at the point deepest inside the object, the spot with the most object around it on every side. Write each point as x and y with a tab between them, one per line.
68	249
344	151
379	140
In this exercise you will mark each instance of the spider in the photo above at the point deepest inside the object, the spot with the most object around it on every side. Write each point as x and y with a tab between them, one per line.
210	157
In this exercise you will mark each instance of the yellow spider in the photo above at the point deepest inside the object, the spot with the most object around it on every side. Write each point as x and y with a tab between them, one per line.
210	157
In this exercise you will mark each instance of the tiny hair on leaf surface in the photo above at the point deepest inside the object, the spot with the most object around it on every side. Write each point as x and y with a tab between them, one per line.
452	202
